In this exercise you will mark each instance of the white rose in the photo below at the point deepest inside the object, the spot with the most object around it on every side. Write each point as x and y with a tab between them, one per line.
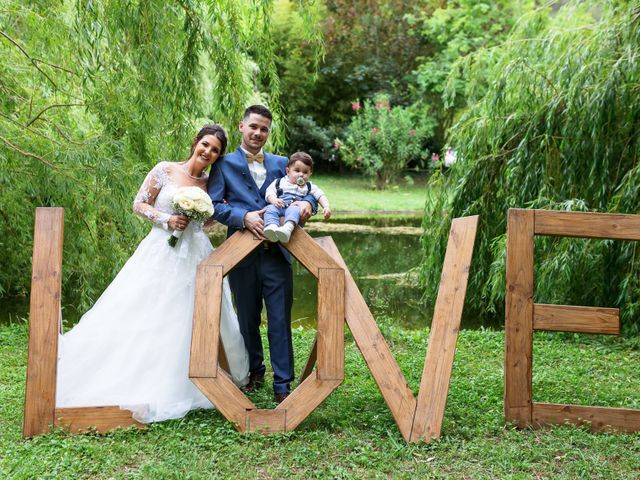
185	203
201	205
194	193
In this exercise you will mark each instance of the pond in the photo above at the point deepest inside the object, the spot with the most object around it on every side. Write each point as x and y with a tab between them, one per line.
383	262
382	253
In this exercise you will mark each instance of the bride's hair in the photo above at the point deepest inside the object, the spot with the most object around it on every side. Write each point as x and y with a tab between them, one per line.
211	129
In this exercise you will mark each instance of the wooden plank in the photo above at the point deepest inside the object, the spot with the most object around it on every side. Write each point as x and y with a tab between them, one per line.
205	336
600	418
569	318
330	324
100	419
587	225
266	421
305	399
311	361
222	359
227	398
308	253
233	250
519	317
386	372
44	321
434	387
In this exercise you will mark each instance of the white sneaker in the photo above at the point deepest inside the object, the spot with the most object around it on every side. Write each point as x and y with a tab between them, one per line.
271	232
283	234
285	231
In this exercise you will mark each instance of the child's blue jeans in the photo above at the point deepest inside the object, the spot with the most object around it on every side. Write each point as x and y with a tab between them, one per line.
290	213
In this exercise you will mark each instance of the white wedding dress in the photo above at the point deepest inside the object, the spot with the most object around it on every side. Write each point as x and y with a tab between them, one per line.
132	348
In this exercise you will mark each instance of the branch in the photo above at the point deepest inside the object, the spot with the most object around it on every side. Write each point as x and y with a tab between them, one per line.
30	129
53	65
55	105
28	154
31	59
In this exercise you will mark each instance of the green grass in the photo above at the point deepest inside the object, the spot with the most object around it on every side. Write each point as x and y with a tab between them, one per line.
352	434
348	192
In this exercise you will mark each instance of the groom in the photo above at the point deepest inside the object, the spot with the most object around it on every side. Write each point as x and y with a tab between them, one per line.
237	185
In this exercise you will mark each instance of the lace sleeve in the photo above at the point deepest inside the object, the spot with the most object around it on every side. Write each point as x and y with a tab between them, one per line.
146	197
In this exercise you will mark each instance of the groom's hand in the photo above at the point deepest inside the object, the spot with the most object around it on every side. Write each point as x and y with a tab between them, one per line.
254	223
305	209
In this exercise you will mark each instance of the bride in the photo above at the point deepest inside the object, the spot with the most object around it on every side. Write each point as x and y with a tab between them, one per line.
132	348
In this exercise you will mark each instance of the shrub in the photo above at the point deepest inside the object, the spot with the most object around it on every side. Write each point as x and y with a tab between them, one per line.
306	135
382	140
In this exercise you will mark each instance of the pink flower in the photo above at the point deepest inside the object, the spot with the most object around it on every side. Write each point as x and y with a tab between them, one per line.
412	132
374	130
336	146
378	106
355	106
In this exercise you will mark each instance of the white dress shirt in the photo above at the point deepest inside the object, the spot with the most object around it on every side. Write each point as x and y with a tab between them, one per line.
257	170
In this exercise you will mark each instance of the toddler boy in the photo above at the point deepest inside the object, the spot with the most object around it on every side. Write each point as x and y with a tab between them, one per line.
282	192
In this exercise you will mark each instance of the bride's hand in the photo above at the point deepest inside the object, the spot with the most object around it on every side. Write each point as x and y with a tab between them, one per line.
178	222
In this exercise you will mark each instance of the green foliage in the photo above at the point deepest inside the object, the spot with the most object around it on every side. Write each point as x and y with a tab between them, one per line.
454	30
382	140
93	94
305	134
556	128
367	49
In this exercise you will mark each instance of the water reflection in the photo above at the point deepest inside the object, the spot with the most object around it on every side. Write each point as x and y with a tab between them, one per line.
380	265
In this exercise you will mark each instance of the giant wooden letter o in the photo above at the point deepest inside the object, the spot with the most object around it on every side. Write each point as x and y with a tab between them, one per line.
216	384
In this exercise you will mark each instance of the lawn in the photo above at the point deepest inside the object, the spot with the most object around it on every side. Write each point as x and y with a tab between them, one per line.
348	192
352	434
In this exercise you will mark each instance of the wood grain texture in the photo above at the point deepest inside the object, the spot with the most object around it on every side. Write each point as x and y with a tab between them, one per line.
330	324
587	225
311	361
226	397
266	421
599	418
569	318
375	350
434	387
222	358
305	399
44	321
233	250
308	253
99	419
205	336
519	317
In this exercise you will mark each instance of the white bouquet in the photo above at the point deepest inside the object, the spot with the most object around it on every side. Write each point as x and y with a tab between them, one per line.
192	202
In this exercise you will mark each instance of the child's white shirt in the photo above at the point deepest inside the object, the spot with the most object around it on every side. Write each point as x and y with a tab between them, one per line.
287	187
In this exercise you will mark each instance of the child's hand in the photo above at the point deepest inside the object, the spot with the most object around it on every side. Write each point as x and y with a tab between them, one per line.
326	211
278	202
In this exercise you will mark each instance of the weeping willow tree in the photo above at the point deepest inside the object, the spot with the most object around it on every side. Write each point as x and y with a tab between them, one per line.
93	94
554	123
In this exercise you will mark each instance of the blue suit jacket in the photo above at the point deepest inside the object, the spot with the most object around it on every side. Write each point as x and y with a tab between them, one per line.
234	192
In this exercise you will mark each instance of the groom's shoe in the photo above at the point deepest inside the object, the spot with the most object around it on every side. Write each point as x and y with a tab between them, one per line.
256	380
279	397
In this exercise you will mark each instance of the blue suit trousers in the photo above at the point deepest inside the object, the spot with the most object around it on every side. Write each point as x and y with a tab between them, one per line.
268	276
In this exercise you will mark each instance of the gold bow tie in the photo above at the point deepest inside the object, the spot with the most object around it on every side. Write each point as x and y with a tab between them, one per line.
258	157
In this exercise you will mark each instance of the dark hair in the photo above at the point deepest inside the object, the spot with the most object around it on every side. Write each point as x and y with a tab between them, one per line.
258	110
211	129
303	157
